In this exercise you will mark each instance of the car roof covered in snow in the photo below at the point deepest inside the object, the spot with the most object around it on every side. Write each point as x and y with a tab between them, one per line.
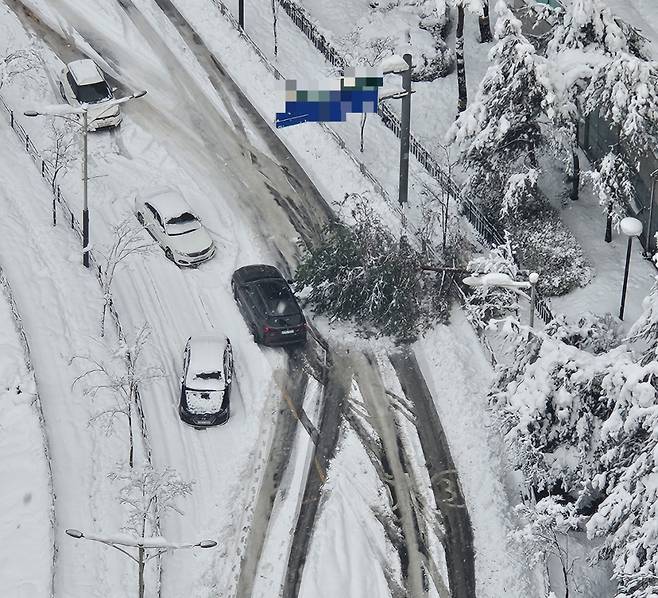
206	356
85	72
168	202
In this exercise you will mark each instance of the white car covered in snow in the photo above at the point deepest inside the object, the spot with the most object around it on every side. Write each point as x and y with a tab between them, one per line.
170	221
82	82
206	381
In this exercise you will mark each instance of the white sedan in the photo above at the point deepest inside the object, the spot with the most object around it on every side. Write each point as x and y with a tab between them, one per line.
170	221
82	82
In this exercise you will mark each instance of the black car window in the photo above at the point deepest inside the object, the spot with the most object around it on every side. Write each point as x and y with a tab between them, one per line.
254	298
89	94
277	298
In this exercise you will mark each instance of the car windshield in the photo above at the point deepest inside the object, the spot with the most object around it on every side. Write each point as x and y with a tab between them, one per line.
278	299
209	375
94	93
179	225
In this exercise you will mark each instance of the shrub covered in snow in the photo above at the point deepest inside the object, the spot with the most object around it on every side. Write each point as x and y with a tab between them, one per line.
591	332
411	26
545	245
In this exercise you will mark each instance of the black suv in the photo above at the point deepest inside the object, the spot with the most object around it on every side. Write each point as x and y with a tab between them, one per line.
268	305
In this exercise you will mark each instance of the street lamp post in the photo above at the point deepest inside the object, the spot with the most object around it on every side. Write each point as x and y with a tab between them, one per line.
500	279
65	112
142	544
402	66
631	227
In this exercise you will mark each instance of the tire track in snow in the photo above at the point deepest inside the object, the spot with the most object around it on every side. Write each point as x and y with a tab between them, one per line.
446	487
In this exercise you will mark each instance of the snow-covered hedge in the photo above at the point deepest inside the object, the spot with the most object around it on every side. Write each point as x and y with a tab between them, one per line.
544	244
401	26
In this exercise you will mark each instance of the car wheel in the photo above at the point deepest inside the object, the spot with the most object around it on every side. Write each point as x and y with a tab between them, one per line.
61	92
169	255
140	218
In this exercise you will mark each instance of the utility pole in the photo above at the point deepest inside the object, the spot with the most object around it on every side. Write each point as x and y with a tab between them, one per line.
404	132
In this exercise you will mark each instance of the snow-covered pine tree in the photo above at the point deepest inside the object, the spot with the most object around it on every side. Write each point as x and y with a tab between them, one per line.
646	327
613	185
624	91
361	271
586	34
489	302
627	517
499	134
550	402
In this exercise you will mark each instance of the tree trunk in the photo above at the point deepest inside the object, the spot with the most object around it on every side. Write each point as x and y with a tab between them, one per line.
575	181
103	318
364	116
459	53
276	49
131	454
485	27
141	571
608	225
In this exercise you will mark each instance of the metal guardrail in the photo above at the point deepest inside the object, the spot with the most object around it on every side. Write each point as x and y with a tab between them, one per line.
59	201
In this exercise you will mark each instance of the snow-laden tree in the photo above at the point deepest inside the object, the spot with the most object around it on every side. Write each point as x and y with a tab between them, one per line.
127	240
543	534
626	519
587	25
361	271
590	332
18	62
365	52
120	378
498	135
550	402
646	327
475	6
586	35
492	302
624	91
613	185
147	494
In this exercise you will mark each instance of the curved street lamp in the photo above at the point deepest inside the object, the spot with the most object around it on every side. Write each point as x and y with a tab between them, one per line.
500	279
159	545
66	112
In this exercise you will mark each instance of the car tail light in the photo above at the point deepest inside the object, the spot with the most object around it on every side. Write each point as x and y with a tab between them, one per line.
266	329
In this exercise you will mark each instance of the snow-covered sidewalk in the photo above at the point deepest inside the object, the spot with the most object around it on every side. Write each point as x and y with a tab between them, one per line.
458	376
60	303
26	501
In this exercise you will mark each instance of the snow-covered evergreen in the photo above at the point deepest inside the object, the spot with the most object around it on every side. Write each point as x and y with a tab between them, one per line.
499	133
